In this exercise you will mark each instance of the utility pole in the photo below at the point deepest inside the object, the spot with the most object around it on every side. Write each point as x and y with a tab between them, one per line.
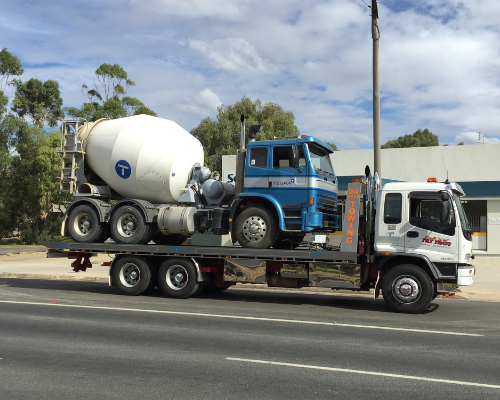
376	92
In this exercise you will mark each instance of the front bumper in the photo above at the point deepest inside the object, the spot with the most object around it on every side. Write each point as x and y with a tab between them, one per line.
465	274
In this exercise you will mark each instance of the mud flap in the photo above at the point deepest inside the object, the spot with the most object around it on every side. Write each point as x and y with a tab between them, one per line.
378	285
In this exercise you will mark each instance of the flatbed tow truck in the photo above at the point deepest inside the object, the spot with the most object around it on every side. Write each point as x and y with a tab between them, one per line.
409	240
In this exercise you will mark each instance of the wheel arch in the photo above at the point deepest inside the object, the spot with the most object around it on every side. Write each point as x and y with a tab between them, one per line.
267	201
419	261
148	210
103	209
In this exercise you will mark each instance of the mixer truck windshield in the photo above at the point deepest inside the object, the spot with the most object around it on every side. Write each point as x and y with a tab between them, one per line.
320	160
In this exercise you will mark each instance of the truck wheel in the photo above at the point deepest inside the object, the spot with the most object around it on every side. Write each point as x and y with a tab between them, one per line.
256	228
407	288
133	276
177	278
128	226
174	240
84	225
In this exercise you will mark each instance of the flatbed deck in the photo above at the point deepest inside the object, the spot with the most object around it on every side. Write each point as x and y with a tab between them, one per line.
233	252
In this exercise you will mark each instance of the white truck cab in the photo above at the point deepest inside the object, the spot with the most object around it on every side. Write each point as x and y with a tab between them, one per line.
423	224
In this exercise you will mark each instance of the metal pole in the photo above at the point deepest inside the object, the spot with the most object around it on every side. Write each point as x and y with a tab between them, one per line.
376	92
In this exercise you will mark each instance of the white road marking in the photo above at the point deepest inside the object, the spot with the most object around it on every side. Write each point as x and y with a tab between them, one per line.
290	321
356	371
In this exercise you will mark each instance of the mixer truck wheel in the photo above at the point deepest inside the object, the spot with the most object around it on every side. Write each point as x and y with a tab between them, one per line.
256	228
133	276
177	278
84	225
129	227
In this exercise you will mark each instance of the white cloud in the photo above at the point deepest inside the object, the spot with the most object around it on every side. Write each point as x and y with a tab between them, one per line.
475	138
206	102
439	59
194	8
233	54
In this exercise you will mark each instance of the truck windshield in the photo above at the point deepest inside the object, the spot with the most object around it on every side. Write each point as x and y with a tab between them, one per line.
461	213
320	160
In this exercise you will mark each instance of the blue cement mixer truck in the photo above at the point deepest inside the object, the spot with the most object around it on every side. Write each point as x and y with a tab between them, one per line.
142	178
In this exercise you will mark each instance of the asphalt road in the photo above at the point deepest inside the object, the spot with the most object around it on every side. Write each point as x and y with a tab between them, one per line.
83	340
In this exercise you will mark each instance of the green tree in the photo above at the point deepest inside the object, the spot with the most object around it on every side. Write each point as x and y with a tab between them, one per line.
222	136
31	187
460	144
9	66
39	101
108	98
420	138
4	100
333	146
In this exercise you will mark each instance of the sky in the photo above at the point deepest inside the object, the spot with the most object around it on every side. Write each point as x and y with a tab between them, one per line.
439	60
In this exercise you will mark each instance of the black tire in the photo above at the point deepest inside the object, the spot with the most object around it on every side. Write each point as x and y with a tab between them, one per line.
256	228
84	225
288	243
133	275
105	233
177	278
407	288
129	227
166	240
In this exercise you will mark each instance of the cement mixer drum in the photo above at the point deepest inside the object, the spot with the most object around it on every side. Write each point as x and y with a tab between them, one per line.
142	156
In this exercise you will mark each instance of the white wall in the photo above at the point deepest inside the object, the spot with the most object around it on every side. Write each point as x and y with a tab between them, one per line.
464	163
493	231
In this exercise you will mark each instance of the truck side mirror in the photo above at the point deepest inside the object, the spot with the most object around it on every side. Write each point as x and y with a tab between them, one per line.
293	156
445	196
445	212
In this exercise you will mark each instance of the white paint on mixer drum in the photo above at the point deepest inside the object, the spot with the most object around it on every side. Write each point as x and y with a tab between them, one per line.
160	153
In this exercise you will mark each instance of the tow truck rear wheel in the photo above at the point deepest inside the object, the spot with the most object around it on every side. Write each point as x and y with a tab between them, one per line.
133	276
407	288
256	228
178	278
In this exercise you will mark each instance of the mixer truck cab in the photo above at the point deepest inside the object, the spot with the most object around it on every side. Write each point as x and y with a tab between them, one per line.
292	184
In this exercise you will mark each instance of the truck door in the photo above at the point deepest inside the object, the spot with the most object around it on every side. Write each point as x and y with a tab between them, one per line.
427	232
390	228
257	170
289	185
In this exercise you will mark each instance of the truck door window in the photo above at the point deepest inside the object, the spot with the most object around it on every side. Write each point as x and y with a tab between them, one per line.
281	157
425	213
258	157
392	208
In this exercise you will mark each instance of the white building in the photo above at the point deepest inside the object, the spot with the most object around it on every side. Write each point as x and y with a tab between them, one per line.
475	167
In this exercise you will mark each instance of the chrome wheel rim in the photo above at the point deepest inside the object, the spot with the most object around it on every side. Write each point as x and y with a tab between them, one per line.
82	224
127	225
406	289
177	277
254	228
130	275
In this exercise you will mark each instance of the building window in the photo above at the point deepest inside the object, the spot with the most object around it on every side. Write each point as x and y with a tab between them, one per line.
392	208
